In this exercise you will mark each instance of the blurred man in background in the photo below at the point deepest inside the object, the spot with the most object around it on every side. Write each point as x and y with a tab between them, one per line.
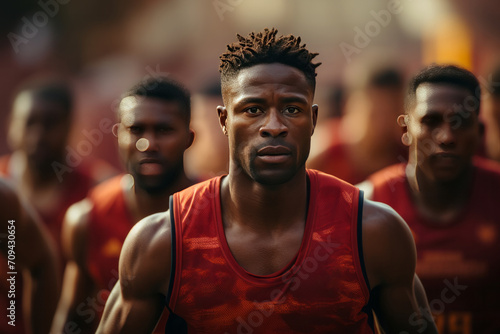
449	199
364	140
38	134
208	157
491	115
29	280
153	131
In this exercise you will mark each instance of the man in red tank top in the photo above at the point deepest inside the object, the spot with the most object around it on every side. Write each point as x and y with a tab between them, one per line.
153	132
449	199
271	247
38	134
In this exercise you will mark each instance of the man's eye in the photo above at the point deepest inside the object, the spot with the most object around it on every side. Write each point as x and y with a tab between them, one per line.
135	129
253	110
164	130
292	110
431	121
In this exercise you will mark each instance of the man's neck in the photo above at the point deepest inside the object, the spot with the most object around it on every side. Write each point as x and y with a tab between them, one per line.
30	176
142	203
440	201
262	207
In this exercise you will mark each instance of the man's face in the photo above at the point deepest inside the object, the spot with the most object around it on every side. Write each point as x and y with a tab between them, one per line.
152	137
269	119
40	129
443	132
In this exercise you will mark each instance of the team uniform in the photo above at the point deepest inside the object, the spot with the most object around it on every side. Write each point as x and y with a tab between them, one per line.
322	290
458	264
76	187
109	224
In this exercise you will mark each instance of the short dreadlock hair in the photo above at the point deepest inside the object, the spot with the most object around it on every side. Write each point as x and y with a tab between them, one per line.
265	48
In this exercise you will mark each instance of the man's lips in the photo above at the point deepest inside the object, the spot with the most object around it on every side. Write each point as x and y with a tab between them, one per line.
274	150
443	155
274	154
150	166
446	159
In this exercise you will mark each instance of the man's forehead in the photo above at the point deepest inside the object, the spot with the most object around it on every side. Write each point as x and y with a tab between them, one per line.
441	93
27	104
273	76
132	107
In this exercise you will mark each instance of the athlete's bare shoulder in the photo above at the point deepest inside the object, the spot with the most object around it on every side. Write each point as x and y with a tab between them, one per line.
137	300
146	255
390	260
387	241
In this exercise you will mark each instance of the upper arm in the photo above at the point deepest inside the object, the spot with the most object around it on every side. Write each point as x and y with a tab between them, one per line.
137	300
74	231
390	259
77	282
28	230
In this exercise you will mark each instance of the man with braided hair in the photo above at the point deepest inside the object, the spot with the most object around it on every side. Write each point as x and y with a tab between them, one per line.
271	247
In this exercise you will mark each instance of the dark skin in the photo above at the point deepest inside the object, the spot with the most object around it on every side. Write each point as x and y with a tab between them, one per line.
39	267
269	118
152	137
442	140
38	134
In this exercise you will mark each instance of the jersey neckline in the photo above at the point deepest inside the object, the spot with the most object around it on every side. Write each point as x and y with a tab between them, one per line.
288	270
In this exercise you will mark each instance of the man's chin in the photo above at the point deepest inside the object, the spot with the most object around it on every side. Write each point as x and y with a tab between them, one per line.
447	176
272	177
155	184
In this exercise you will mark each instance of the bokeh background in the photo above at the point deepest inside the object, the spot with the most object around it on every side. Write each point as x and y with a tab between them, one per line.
104	47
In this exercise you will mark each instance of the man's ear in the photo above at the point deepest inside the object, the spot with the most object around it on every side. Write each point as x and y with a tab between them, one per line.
222	113
314	116
191	138
114	129
403	123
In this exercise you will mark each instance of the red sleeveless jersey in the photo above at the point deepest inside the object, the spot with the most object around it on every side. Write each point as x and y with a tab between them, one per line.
323	290
458	264
109	224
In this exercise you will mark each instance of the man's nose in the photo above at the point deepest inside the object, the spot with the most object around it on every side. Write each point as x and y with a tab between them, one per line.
148	142
273	125
445	135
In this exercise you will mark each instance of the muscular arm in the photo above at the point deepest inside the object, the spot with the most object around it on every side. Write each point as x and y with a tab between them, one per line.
35	254
137	300
77	283
390	259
